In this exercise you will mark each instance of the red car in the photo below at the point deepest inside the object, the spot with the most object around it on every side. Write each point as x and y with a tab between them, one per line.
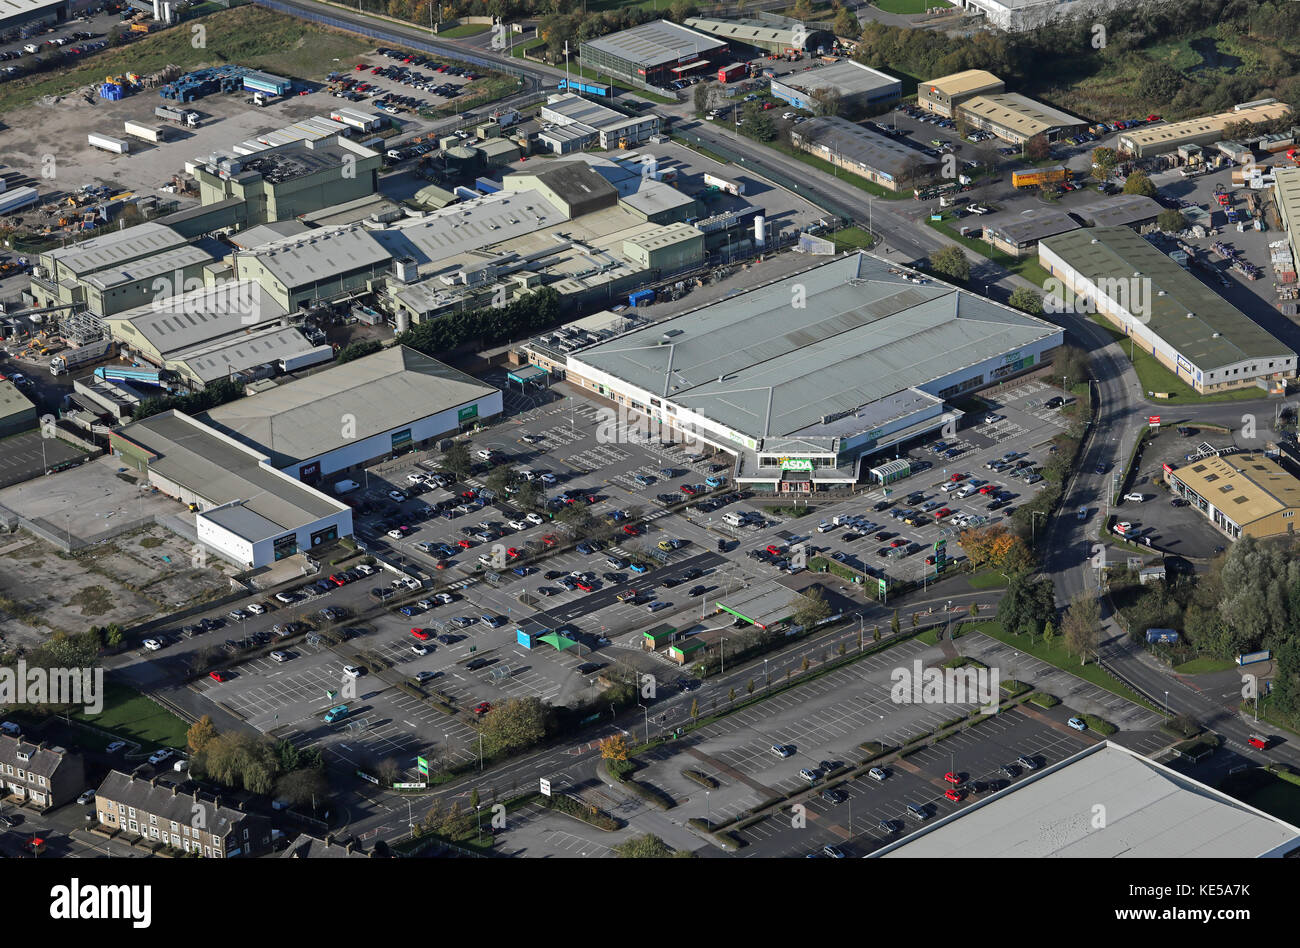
217	676
774	550
338	580
1258	741
441	564
469	494
512	553
956	477
954	795
583	585
589	498
897	542
464	544
987	489
1153	118
360	66
422	634
952	778
941	513
687	489
482	708
929	561
630	530
549	540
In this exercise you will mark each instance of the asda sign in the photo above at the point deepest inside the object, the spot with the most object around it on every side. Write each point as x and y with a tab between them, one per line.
796	464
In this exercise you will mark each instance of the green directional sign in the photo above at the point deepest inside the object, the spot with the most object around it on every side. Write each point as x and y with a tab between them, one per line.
423	766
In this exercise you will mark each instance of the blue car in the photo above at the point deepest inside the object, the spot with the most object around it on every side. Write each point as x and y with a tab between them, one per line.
323	585
584	547
410	611
1077	724
638	568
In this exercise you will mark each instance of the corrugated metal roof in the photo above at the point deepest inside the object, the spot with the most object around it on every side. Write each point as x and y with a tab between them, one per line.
1018	113
654	44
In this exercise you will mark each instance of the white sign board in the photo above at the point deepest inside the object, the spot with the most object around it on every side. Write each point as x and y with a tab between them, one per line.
545	787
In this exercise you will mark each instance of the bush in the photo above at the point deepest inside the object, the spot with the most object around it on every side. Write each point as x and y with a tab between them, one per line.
1044	700
1014	688
582	811
650	794
1098	724
702	779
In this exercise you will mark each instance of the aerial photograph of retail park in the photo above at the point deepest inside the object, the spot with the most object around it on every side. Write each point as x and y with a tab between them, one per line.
591	431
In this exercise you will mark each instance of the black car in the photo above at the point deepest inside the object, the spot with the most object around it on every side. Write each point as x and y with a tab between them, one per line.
697	591
834	795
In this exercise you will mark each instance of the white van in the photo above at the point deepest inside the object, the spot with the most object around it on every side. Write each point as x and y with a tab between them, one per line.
966	491
734	519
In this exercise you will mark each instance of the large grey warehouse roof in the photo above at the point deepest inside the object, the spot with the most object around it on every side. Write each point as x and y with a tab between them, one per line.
387	390
656	43
766	368
100	253
1118	210
846	77
202	316
1118	253
870	149
245	351
200	460
320	255
469	225
1151	812
750	32
164	264
1018	228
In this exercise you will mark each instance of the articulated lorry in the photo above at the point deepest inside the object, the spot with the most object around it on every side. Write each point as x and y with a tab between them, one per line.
179	116
1037	177
159	378
82	355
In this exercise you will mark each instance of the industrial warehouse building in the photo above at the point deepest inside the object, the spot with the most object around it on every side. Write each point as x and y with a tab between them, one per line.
15	14
1018	234
1246	494
941	96
1192	331
1153	811
1016	118
1206	130
801	395
878	158
656	52
244	509
1286	192
860	88
334	421
581	123
777	40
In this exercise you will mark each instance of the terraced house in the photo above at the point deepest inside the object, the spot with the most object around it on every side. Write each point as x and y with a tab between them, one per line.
40	776
185	821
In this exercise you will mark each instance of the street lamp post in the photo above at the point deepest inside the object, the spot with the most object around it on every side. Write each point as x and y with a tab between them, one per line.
646	709
1166	705
723	670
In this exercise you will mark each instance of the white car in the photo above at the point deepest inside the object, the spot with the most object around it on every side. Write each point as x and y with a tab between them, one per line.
419	649
788	115
415	478
239	615
279	656
152	645
352	671
87	796
444	598
992	417
365	569
484	454
395	534
285	597
1123	527
825	527
949	487
1136	498
535	518
157	757
517	524
548	478
256	608
877	774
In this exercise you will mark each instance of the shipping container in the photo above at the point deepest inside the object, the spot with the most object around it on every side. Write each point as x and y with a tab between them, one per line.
107	143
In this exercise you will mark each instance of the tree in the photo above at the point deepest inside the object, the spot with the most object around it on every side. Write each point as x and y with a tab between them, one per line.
501	477
474	799
1037	148
731	695
456	460
243	760
517	724
1171	220
1081	626
304	787
200	734
1027	602
1026	300
388	772
1159	81
355	350
1139	183
811	608
648	846
803	10
847	25
578	519
695	708
749	688
803	666
1049	632
614	747
1104	161
827	101
759	121
974	609
703	92
1071	362
951	262
875	634
894	625
529	496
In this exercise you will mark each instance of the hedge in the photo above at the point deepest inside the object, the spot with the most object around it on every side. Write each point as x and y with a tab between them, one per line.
1044	700
702	779
581	811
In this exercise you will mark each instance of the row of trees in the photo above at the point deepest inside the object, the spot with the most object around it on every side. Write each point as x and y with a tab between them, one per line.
486	326
257	763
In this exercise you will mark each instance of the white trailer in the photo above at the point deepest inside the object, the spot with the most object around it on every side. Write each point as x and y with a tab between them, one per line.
150	133
722	184
107	143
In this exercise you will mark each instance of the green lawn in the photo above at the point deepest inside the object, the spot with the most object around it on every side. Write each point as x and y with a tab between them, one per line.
464	29
1054	654
131	715
987	579
1026	267
518	49
1200	666
908	6
1154	377
852	238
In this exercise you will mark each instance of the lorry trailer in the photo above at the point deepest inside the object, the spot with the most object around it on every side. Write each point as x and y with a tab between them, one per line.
108	143
81	356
